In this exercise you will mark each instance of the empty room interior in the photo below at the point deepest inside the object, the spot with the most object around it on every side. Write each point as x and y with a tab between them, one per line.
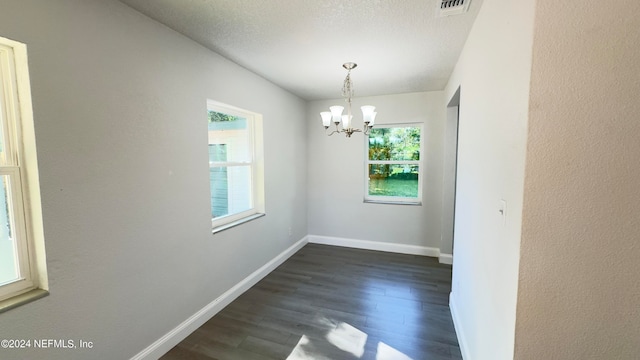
319	179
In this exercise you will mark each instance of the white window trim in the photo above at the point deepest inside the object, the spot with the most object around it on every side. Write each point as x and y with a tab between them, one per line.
22	169
421	163
257	210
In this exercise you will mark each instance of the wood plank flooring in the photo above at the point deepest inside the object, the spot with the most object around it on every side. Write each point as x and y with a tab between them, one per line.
333	303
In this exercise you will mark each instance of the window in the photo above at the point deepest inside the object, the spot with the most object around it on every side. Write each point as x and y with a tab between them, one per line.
235	165
393	167
22	269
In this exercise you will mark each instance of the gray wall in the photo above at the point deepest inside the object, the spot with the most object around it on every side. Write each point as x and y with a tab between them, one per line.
336	168
120	117
579	290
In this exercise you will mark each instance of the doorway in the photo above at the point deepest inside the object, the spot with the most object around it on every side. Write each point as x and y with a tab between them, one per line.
450	171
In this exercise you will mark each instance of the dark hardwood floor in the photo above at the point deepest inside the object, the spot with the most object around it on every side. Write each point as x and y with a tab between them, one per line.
335	303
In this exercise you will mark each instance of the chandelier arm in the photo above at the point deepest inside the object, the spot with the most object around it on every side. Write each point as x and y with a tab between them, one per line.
367	129
336	131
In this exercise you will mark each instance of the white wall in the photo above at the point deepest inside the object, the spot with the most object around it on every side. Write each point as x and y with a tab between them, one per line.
579	291
121	129
336	175
493	72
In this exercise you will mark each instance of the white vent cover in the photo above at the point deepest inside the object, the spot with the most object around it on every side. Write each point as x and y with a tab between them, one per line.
452	7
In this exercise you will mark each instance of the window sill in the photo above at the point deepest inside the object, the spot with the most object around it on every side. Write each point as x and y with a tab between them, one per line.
220	228
19	300
388	202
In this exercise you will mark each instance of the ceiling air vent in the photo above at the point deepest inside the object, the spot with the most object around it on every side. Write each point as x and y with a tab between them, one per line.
452	7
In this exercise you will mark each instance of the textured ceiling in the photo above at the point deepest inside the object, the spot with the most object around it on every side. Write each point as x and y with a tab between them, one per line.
399	45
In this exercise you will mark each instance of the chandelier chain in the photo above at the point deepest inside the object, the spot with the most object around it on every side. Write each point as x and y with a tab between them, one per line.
347	87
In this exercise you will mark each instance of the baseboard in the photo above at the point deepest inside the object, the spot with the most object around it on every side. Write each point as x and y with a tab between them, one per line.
446	259
179	333
375	245
462	343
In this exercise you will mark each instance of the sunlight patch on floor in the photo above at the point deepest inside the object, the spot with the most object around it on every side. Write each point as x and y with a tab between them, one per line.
386	352
300	351
341	339
347	338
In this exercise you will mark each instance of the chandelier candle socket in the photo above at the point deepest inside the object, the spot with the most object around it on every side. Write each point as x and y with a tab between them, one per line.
343	123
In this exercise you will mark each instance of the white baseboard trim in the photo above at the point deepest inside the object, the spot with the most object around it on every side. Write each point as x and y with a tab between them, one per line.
381	246
446	259
179	333
462	342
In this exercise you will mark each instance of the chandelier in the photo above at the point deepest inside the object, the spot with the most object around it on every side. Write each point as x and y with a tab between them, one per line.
344	123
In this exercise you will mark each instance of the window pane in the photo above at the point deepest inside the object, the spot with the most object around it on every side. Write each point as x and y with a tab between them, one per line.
398	143
393	180
8	255
230	190
219	191
234	133
217	153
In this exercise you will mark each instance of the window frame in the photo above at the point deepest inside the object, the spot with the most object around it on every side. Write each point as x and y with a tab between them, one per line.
396	200
255	127
19	164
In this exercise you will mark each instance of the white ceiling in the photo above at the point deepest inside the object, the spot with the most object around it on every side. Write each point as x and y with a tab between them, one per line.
399	45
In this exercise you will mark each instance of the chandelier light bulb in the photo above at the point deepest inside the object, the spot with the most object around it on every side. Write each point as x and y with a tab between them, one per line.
326	119
367	113
346	121
336	113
